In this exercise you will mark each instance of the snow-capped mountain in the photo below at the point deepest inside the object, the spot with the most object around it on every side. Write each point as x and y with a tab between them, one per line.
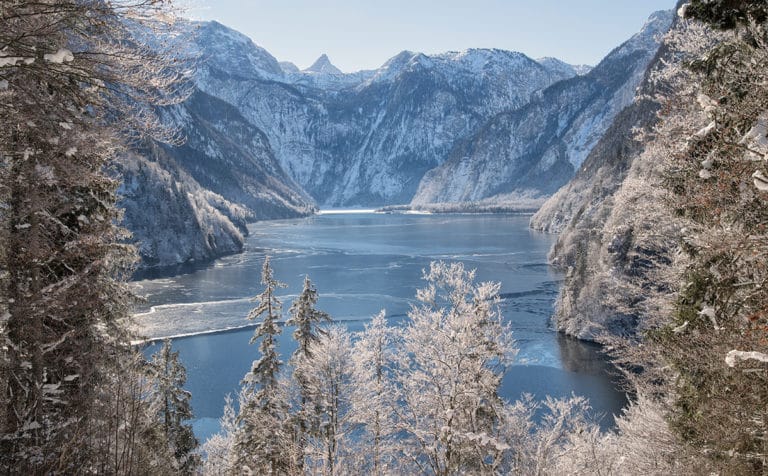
538	147
565	69
367	138
429	128
229	52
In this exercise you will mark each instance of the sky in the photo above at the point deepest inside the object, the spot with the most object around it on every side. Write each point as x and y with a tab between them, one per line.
363	34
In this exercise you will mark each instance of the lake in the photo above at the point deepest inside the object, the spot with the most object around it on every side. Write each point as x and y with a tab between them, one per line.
362	263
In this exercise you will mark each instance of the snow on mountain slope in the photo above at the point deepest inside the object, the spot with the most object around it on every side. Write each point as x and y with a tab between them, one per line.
172	218
603	242
227	155
558	66
429	128
191	202
228	52
289	67
537	148
367	138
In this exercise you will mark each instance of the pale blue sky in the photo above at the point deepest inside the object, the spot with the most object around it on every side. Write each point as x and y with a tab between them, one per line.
364	34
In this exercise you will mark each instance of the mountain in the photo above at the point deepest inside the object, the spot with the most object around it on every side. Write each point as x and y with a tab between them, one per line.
567	70
603	243
229	52
228	156
191	202
289	67
172	218
535	149
367	138
323	65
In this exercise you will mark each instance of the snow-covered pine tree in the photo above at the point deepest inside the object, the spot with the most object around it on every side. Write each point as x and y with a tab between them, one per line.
219	449
721	309
172	405
269	309
261	442
73	80
453	354
306	319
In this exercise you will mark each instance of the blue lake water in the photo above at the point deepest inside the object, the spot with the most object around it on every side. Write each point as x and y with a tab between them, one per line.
362	263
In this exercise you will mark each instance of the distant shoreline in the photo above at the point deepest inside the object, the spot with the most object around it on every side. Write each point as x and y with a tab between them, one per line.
475	208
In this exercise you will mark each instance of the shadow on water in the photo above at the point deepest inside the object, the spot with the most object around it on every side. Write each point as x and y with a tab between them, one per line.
586	371
161	272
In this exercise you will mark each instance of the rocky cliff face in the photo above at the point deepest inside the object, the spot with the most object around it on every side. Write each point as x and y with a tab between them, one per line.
614	230
227	155
535	149
191	203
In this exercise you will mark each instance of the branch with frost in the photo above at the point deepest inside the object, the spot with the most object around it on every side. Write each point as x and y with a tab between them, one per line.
735	356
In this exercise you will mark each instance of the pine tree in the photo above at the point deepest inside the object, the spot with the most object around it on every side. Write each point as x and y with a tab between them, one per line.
327	391
306	319
219	449
172	405
260	441
269	308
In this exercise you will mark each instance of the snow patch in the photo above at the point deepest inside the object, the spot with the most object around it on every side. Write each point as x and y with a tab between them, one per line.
680	328
709	312
14	60
61	56
760	181
706	130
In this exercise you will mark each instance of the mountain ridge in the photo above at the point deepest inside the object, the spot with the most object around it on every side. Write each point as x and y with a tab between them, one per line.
538	147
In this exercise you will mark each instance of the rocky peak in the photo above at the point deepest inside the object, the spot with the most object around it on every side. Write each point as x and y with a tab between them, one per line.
323	65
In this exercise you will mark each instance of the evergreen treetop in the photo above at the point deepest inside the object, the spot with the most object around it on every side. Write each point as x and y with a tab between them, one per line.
306	318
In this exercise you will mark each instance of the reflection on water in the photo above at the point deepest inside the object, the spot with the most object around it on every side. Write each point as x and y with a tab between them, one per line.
583	357
361	264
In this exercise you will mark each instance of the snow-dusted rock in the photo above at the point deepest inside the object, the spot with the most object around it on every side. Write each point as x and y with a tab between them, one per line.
192	202
540	145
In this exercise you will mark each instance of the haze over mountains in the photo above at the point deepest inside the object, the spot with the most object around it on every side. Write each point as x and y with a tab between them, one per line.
267	140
